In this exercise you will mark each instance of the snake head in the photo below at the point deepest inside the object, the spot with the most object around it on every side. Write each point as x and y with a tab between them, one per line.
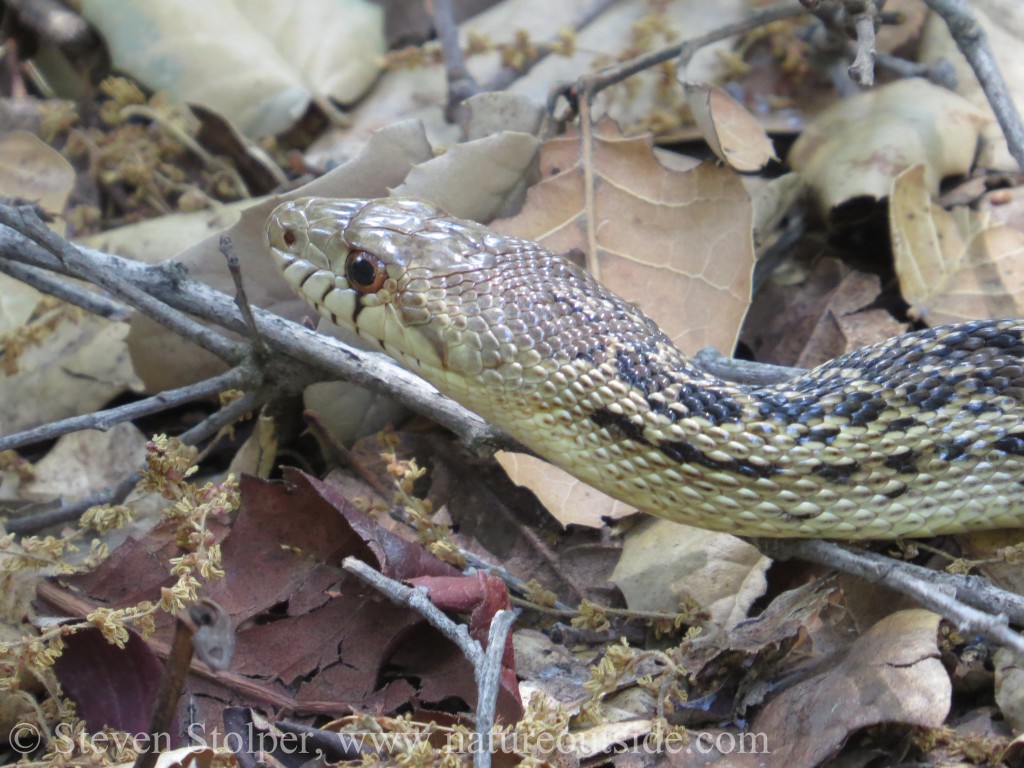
399	273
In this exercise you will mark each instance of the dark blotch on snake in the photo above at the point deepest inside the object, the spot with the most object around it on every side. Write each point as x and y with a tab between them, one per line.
615	422
903	463
685	452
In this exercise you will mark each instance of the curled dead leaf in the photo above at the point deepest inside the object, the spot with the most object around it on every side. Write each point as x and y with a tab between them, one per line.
891	674
729	129
663	563
952	265
858	146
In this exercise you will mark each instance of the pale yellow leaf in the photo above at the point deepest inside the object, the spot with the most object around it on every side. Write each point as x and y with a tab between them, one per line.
567	499
855	148
337	46
76	368
87	462
952	265
477	179
258	453
34	171
256	63
1009	687
17	302
663	563
729	129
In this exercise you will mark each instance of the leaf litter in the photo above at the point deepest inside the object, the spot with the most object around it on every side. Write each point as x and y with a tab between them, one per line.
313	640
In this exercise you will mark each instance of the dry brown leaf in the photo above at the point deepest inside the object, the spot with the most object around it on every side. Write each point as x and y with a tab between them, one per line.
663	563
855	148
844	325
891	674
952	265
729	129
678	243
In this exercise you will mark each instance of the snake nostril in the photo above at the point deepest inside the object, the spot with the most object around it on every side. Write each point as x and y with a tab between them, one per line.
288	236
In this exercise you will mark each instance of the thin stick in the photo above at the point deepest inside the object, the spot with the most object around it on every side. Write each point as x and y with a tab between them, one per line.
94	303
28	223
227	248
973	44
590	85
104	420
28	524
863	68
461	84
486	664
169	283
888	573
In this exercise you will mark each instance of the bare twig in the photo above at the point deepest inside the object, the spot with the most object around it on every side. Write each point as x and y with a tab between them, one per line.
973	44
508	75
41	280
461	84
901	578
940	71
25	221
227	248
203	630
296	345
104	420
589	86
486	662
744	371
210	426
225	417
61	513
863	68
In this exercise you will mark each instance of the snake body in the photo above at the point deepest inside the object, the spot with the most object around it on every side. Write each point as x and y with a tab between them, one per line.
919	435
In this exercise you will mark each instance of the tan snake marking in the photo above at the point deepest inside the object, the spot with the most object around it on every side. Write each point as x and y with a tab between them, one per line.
916	436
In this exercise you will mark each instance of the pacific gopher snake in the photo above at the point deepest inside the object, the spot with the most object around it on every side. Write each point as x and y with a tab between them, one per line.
915	436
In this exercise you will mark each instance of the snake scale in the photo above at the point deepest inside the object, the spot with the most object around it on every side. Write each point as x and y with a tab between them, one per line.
919	435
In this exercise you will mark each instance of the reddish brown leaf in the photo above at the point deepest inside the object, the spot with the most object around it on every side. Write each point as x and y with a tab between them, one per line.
112	687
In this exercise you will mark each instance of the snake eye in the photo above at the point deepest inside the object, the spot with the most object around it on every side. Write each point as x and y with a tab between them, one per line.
365	272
